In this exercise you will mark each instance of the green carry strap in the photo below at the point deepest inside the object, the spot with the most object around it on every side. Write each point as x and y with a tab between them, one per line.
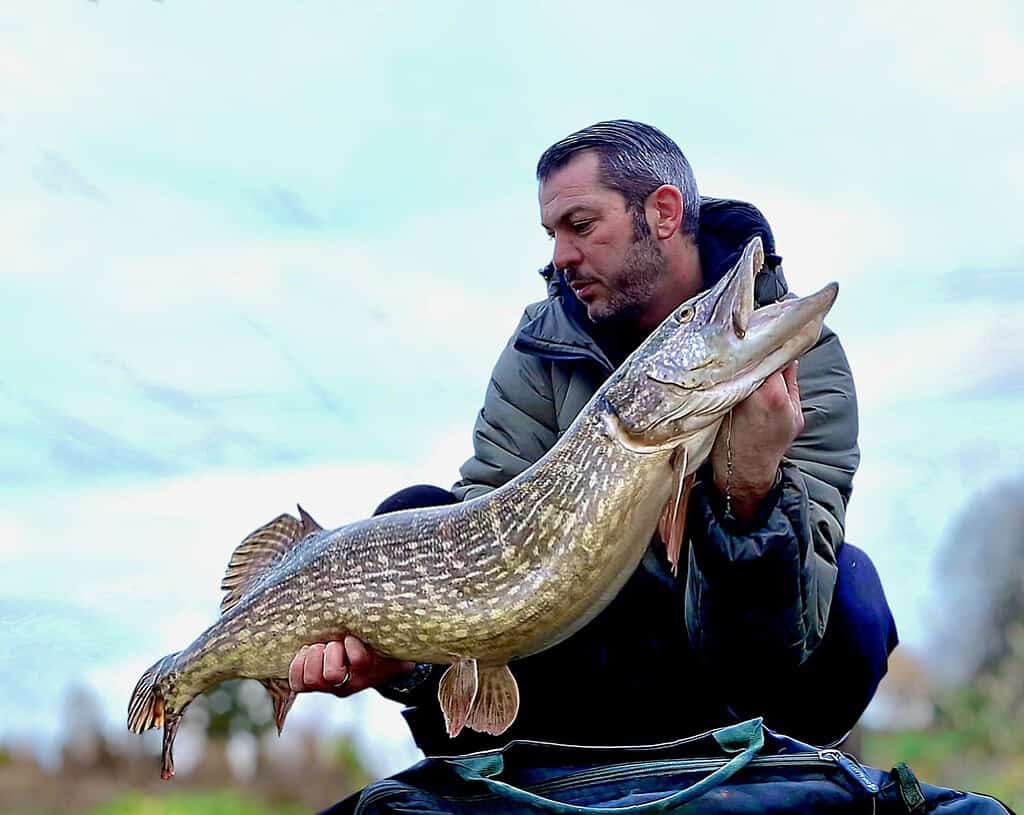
910	789
745	739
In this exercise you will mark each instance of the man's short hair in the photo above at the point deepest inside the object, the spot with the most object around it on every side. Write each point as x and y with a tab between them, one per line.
635	159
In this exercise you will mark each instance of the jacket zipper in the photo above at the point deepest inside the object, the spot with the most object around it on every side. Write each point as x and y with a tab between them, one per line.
852	767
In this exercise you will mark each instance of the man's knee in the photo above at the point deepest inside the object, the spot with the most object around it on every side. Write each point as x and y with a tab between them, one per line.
826	696
416	497
860	618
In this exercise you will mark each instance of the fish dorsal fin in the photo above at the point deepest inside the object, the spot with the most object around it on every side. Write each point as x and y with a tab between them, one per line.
496	703
256	554
309	526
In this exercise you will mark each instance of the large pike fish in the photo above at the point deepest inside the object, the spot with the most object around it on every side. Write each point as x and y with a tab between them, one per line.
479	584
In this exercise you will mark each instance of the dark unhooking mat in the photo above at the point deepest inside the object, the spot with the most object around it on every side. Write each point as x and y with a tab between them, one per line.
745	768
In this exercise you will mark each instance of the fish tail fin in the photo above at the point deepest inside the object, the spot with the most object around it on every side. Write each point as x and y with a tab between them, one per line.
146	708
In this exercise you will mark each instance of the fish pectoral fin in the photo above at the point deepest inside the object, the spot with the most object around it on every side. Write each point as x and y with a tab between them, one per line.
457	693
497	701
672	525
282	696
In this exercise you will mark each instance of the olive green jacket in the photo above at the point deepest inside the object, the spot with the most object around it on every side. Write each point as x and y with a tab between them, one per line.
551	367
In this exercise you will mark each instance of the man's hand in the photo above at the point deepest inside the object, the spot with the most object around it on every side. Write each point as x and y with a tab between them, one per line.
764	425
324	667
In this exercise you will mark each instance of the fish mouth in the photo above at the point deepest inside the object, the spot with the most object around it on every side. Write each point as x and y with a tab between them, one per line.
778	333
746	345
757	342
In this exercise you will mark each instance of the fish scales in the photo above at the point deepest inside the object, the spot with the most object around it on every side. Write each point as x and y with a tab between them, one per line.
480	584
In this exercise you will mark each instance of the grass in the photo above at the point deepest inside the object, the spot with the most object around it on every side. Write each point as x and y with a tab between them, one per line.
950	758
193	803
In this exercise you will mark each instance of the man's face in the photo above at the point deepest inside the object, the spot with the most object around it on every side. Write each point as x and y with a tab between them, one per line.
612	271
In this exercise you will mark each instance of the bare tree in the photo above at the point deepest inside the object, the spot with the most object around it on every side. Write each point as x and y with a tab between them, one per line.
981	582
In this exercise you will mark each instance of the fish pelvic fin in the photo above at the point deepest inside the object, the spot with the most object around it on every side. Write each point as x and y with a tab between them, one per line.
261	551
497	701
146	706
283	698
456	694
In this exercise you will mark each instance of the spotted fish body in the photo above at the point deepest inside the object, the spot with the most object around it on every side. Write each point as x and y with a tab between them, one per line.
479	584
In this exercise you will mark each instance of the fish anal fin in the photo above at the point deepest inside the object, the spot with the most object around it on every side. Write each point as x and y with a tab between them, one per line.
457	693
283	698
259	552
497	701
309	526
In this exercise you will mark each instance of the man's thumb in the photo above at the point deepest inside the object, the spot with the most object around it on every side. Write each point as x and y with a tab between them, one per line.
789	374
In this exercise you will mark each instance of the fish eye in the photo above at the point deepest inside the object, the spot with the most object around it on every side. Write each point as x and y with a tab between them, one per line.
685	314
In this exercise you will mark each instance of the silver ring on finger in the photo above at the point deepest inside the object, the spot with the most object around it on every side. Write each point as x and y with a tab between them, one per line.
343	682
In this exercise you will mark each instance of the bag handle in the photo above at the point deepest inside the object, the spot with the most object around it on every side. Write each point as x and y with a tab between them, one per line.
745	739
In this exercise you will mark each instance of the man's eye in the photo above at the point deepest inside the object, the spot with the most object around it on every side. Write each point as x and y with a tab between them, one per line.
581	227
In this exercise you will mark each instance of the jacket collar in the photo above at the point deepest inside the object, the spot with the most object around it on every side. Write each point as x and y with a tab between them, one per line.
561	329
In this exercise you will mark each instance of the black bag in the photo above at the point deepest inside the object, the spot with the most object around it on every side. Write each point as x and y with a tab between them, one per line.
744	768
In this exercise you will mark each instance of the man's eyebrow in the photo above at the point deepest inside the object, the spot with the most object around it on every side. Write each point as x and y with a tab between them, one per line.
565	216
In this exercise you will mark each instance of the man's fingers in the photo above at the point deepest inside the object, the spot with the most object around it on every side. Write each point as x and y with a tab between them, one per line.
360	658
335	665
341	667
313	669
295	670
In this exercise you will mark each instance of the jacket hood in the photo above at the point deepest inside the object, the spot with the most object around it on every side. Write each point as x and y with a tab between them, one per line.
561	328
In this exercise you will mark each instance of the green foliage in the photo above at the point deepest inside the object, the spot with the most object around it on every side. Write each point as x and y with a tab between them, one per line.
236	706
976	744
350	763
192	803
943	757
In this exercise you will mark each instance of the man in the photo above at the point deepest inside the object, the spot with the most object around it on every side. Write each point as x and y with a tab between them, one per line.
771	613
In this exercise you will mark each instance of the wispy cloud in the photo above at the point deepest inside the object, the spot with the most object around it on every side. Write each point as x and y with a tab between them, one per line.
83	448
286	207
316	387
56	175
166	396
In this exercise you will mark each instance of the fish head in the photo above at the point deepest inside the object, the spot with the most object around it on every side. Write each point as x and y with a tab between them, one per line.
710	353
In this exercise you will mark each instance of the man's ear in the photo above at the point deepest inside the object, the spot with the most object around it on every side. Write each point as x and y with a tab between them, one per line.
665	211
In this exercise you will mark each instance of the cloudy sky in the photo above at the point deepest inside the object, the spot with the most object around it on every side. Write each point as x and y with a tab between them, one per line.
255	253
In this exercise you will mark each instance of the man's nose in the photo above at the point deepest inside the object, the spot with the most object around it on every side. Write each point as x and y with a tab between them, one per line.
567	255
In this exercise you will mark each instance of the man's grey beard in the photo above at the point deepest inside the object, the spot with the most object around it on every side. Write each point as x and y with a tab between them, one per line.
643	266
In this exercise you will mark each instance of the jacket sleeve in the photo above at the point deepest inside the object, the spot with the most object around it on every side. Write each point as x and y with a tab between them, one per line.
516	426
762	591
